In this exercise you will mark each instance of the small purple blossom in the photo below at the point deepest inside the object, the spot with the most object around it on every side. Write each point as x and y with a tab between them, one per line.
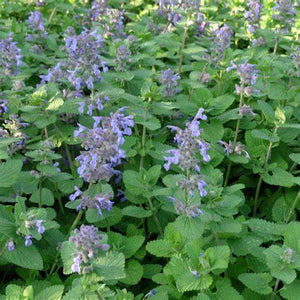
39	226
246	110
170	82
190	211
238	149
3	106
195	273
28	240
10	245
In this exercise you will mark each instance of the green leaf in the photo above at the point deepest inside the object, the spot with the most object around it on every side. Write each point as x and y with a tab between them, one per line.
295	157
279	177
218	257
220	104
111	266
51	293
153	174
46	197
132	244
189	228
159	248
291	291
133	182
267	110
67	251
25	257
265	228
257	282
9	172
264	135
133	271
189	282
136	212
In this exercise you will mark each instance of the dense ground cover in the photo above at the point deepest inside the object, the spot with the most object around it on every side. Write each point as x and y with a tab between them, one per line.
149	150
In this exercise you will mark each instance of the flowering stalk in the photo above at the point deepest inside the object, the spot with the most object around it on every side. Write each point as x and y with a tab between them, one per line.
182	48
259	183
238	123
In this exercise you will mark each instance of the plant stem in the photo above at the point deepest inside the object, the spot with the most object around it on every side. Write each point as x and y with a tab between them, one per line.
276	46
292	208
160	229
186	194
237	128
181	49
259	183
275	289
144	136
40	192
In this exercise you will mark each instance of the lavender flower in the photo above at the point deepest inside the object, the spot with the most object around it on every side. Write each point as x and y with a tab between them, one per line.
222	40
3	107
252	15
195	273
246	110
40	228
196	182
92	103
28	241
100	201
123	58
36	21
102	144
170	81
10	56
172	10
189	211
84	66
285	13
248	77
238	149
189	143
88	242
10	245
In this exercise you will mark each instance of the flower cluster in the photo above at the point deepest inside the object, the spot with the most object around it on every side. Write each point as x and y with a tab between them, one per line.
246	110
111	19
170	82
252	15
99	201
95	101
123	58
196	182
36	22
189	143
102	144
239	148
189	211
84	65
172	9
248	78
10	56
222	40
201	24
88	242
285	13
